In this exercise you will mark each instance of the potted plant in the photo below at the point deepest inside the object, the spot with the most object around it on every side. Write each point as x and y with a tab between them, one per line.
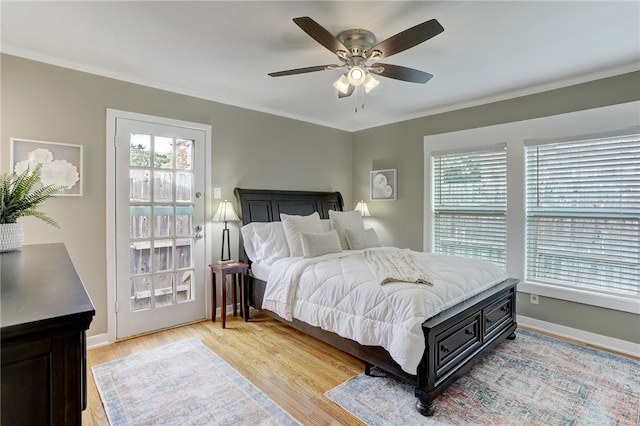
21	195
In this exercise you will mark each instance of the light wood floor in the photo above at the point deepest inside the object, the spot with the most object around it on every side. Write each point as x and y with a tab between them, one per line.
293	369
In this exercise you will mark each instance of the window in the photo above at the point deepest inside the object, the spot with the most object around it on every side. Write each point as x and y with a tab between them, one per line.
583	214
470	203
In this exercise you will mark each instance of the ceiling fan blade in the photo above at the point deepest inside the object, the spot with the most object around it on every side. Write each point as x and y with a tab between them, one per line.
406	39
401	73
349	92
320	34
304	70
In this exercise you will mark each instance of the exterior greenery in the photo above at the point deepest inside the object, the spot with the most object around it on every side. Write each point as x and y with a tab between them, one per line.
20	195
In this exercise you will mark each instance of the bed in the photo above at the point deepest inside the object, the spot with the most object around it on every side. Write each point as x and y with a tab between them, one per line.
451	341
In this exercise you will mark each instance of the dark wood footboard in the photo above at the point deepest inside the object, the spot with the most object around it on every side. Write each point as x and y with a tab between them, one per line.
460	336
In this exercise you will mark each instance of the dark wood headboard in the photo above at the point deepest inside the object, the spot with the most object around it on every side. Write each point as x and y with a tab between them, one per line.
264	205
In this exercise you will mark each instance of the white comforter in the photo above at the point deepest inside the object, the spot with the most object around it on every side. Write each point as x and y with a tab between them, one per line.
340	293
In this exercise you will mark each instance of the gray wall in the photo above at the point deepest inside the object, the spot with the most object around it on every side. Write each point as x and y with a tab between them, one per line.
250	150
400	146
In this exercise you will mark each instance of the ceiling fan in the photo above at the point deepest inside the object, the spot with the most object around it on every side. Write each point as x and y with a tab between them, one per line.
358	51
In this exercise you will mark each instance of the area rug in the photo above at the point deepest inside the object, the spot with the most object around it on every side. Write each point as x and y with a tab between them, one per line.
183	383
533	380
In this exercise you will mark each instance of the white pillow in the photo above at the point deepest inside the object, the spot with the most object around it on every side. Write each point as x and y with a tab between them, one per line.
326	225
314	244
265	241
362	239
345	220
293	225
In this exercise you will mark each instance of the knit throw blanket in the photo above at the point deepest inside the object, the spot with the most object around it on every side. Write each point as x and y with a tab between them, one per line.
397	266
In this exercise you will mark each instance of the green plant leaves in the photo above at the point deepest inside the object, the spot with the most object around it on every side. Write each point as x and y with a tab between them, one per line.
20	196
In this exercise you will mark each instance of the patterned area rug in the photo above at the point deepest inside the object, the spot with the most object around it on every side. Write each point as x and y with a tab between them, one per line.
533	380
183	383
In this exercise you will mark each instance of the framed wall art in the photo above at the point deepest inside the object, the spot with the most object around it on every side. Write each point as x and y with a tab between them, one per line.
383	185
61	163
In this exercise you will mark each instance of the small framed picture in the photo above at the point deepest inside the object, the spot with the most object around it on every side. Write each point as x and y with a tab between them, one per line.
61	163
383	185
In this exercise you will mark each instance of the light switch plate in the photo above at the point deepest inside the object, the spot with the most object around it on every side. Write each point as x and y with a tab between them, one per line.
217	193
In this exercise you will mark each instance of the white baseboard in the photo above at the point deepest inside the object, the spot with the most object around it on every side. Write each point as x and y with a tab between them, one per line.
98	340
605	342
104	339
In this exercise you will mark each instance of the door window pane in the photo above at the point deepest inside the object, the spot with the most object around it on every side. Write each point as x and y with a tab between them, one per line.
163	152
184	249
139	150
184	288
184	186
163	294
163	221
140	257
139	185
163	186
140	292
139	221
184	154
162	255
184	221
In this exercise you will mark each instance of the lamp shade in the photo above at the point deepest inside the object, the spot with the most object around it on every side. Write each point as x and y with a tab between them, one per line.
225	213
362	208
370	83
342	84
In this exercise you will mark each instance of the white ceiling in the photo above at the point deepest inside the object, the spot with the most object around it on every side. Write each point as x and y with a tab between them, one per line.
223	50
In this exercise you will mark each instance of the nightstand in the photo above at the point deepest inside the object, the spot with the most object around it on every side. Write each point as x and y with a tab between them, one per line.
223	269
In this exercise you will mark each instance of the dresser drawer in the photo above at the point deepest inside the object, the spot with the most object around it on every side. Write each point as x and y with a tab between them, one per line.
497	314
456	342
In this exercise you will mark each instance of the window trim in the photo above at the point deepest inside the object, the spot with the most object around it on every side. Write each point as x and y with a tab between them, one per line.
585	297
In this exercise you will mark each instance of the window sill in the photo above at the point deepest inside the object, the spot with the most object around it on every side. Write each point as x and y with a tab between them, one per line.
581	296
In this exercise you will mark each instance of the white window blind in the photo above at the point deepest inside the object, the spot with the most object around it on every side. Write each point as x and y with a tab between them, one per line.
583	214
470	203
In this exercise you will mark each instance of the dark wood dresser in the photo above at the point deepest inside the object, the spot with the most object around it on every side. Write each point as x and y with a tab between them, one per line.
44	316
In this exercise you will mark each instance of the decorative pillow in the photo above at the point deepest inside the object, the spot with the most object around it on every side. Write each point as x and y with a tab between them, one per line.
362	239
293	225
314	244
340	221
265	241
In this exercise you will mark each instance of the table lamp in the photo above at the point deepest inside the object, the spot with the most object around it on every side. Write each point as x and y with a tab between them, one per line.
225	213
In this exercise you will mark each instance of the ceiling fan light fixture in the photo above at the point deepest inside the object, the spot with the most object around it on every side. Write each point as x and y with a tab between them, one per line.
370	83
356	75
342	84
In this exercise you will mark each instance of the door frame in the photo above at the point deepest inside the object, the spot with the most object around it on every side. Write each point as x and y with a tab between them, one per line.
112	116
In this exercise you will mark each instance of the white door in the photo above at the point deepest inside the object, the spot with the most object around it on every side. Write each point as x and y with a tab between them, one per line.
160	224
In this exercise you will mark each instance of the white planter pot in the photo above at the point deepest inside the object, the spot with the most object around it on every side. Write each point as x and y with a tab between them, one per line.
11	236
